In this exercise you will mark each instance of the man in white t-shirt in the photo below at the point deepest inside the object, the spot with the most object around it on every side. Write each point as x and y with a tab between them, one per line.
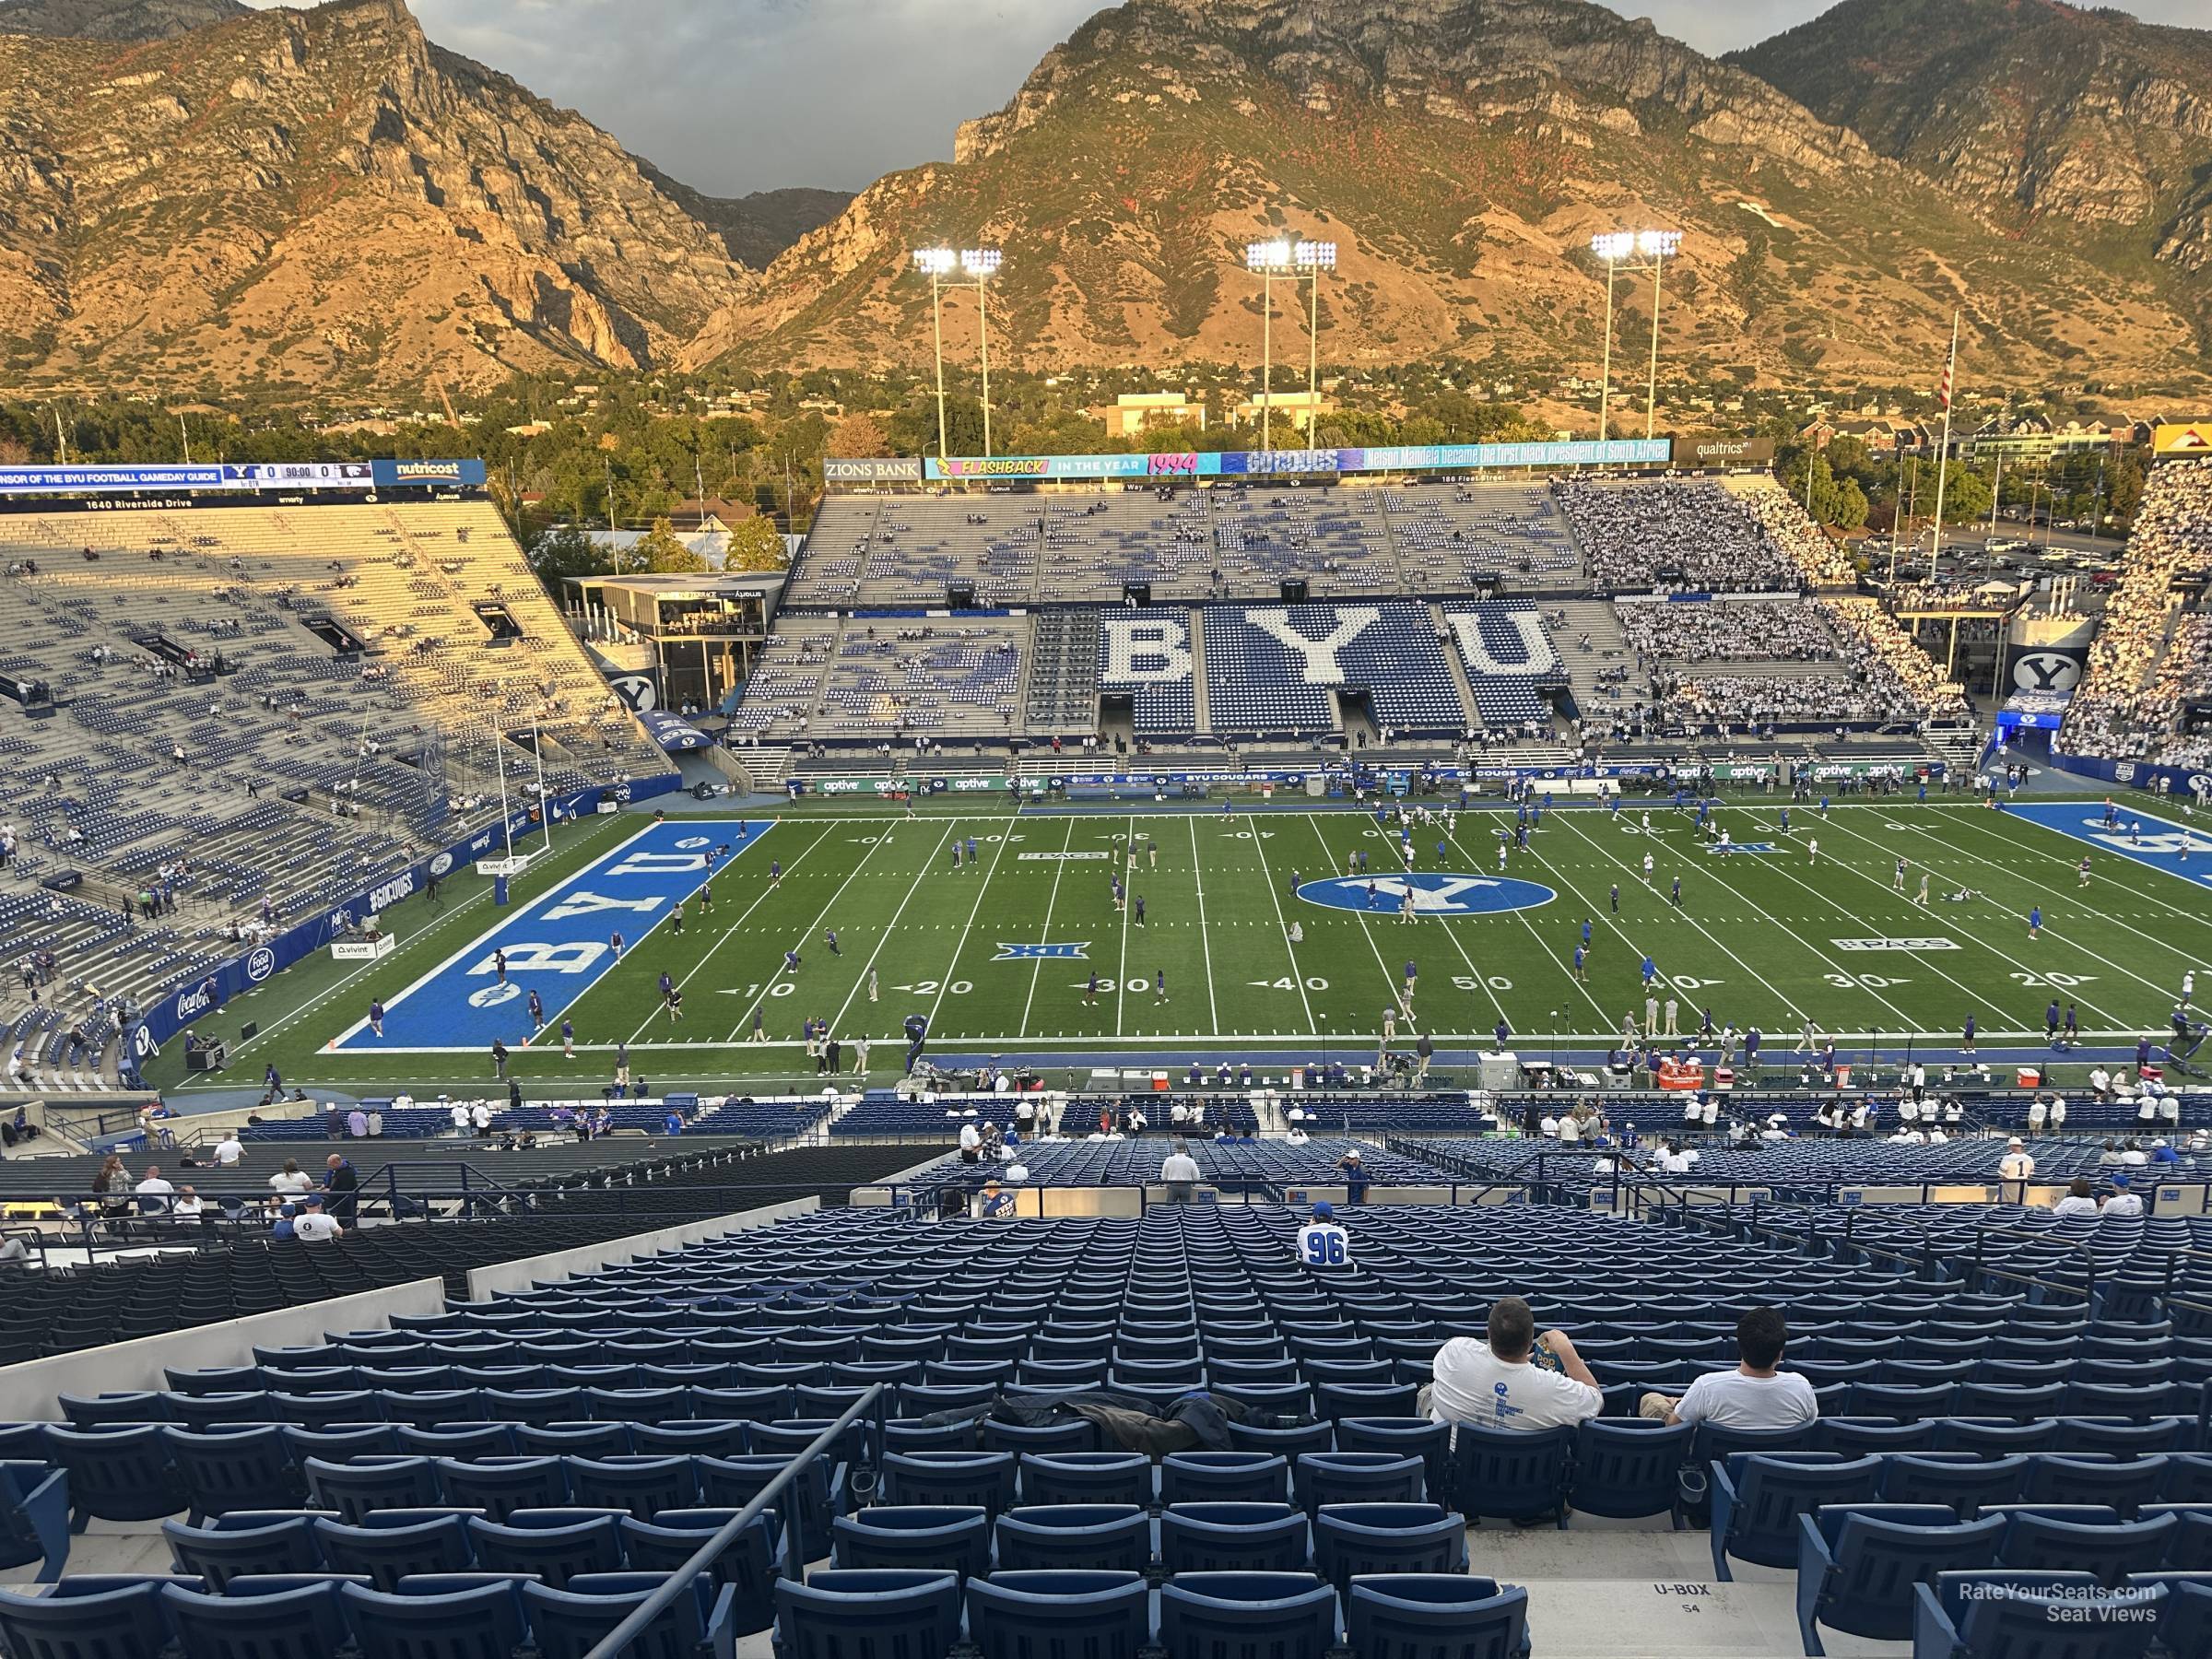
2125	1204
2015	1165
1180	1170
313	1224
1323	1244
228	1150
971	1144
1755	1395
457	1114
1512	1379
154	1192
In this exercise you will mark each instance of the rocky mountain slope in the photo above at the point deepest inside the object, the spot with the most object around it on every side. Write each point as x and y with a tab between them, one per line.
1460	153
114	20
324	198
2047	117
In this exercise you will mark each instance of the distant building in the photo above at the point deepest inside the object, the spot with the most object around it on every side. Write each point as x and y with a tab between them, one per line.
1303	407
1134	411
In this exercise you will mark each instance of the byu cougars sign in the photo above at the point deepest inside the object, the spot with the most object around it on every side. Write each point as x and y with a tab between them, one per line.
1435	893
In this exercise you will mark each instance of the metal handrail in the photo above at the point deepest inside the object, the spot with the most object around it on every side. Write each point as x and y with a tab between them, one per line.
1983	1229
617	1641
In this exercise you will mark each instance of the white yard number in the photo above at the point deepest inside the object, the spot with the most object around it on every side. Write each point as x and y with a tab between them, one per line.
1496	981
1872	981
2063	982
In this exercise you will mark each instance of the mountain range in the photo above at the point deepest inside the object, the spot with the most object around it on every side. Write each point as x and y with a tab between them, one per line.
195	194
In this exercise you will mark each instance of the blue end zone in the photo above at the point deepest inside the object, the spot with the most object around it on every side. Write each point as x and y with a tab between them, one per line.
2160	846
558	945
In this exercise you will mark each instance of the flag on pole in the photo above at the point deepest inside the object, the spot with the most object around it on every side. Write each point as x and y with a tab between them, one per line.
1944	392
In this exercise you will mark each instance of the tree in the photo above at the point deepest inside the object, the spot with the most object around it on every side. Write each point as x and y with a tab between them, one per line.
756	545
566	551
1965	494
860	435
1835	501
659	552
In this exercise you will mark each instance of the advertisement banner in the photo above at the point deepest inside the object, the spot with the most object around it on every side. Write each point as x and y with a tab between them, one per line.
247	477
1718	448
1426	457
877	469
2189	438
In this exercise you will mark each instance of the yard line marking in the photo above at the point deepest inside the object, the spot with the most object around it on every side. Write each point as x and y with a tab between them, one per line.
1045	934
1521	916
1212	1008
728	931
1923	960
808	934
2050	893
1396	986
1121	982
1282	928
1005	840
1605	856
891	926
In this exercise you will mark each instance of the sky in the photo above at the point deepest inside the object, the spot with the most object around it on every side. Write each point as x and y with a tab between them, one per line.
732	96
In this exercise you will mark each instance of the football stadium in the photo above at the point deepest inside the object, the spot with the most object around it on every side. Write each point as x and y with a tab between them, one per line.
1343	1045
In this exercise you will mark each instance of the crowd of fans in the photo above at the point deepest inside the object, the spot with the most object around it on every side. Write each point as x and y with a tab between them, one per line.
1763	630
1896	673
1698	537
2132	697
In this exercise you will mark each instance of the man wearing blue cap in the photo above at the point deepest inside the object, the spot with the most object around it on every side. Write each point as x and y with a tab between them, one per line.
2125	1204
1323	1244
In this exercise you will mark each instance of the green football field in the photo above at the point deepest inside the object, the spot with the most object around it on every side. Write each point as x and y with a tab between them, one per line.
1000	955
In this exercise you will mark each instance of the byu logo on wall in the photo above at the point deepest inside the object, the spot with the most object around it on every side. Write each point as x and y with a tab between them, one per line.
1435	893
2053	672
636	690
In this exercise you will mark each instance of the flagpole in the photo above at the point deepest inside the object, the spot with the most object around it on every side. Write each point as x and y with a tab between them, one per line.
1943	456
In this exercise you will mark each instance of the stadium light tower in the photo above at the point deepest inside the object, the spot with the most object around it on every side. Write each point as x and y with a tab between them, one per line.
982	264
1299	261
938	263
1636	250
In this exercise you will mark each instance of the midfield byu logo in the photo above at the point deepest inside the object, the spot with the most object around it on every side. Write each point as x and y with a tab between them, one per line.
1435	893
1079	949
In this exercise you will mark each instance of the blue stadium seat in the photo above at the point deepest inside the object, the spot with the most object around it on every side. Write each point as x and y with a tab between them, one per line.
1626	1468
1857	1564
2113	1434
500	1486
1099	1614
305	1622
1350	1539
34	1517
1995	1435
221	1552
1426	1616
1403	1437
868	1614
640	1485
116	1474
568	1623
2081	1537
1237	1615
1283	1442
572	1439
2009	1614
748	1564
952	1539
484	1439
206	1411
472	1623
1233	1537
815	1493
389	1545
121	1410
1853	1436
357	1489
1757	1497
555	1544
101	1619
1960	1481
1223	1478
2125	1483
232	1469
1046	1538
1513	1474
1019	1438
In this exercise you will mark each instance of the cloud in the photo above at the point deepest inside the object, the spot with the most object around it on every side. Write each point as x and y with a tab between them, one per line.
737	94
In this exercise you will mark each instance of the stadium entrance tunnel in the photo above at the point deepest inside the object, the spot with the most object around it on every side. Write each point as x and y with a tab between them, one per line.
1435	893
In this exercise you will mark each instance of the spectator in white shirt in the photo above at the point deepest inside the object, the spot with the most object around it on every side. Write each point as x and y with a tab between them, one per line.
313	1225
1512	1379
228	1150
2124	1205
971	1144
153	1191
1755	1395
479	1116
2133	1155
1180	1170
2015	1165
2078	1201
457	1113
292	1178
